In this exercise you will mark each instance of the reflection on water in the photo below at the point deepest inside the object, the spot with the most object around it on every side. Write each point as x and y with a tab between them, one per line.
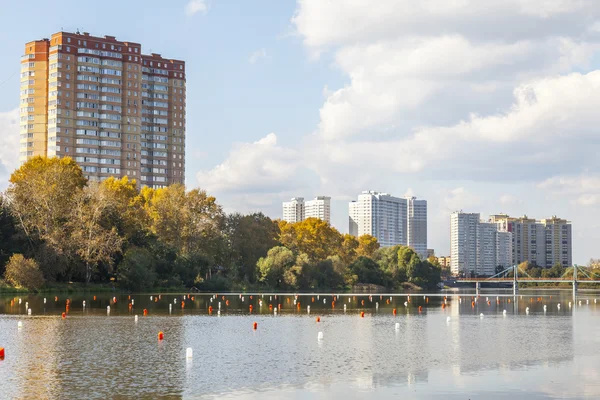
92	354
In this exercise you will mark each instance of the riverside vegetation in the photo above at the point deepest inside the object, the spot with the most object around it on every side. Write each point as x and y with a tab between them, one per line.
56	227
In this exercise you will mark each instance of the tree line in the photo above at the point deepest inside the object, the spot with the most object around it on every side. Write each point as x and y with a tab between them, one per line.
55	226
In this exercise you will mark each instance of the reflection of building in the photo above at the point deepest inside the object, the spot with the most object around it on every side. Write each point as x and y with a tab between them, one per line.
477	247
392	220
544	243
115	111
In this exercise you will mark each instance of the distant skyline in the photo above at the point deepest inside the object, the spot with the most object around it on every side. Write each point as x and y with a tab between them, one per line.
487	107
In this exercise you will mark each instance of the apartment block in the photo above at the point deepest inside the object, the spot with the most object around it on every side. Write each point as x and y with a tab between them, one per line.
477	247
293	210
115	111
392	220
545	243
319	207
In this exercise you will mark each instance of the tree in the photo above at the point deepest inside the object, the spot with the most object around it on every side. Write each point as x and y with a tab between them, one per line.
387	259
23	272
349	246
10	242
248	238
91	238
367	246
274	266
137	269
313	237
367	271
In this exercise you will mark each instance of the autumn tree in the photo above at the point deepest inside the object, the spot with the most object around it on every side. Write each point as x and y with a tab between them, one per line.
313	237
349	247
91	238
23	272
367	245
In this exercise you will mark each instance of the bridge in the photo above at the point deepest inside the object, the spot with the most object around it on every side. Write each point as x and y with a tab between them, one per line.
502	277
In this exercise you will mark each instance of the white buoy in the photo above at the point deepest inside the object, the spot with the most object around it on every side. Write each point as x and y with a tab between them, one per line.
84	304
219	305
188	352
317	297
270	298
545	307
503	312
527	310
295	301
242	299
108	309
423	297
344	308
558	306
405	304
170	308
135	318
459	300
320	336
487	299
29	311
151	298
349	300
579	302
132	301
376	304
219	313
588	302
324	301
569	304
448	319
594	301
27	305
175	301
397	326
481	315
19	324
390	298
274	311
44	300
308	309
19	301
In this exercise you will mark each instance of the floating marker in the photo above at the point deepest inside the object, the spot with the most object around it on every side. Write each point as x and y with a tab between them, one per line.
320	336
376	304
503	312
29	311
254	326
135	318
527	310
545	308
84	304
161	335
362	314
318	319
175	301
448	319
188	352
19	324
569	304
2	353
308	309
344	308
405	304
324	301
44	300
170	308
27	305
481	315
558	305
132	301
397	326
19	301
145	312
64	315
108	309
579	302
151	298
394	311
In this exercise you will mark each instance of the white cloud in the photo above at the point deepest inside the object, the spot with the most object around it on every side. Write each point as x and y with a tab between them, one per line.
507	199
9	144
583	190
196	6
460	199
257	55
261	166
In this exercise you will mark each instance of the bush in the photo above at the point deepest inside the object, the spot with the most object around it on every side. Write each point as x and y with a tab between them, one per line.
23	272
137	271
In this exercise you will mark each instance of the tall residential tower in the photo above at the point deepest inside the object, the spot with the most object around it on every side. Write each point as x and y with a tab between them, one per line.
114	110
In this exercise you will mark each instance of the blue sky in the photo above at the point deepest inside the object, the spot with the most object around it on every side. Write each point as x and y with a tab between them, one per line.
481	106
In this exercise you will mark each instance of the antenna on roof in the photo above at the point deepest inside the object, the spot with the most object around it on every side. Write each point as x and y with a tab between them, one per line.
78	31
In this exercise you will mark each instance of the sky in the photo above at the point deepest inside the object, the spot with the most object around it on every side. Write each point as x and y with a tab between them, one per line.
481	106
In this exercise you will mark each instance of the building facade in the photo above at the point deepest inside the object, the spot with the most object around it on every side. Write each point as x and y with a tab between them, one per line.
392	220
115	111
477	247
545	243
293	210
319	207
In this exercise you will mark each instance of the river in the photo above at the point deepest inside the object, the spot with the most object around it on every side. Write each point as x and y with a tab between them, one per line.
445	350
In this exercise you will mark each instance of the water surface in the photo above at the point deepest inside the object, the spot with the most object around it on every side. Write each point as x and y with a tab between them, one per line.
95	354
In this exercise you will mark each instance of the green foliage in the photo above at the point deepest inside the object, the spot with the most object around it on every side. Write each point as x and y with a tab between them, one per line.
137	270
275	265
368	271
23	272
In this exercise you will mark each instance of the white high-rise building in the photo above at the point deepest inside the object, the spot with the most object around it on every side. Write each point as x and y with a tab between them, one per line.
293	210
392	220
319	207
416	225
477	247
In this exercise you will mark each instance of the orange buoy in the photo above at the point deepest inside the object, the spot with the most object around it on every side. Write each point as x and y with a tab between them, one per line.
298	305
313	299
473	304
161	335
67	308
489	303
156	299
362	302
270	306
427	300
182	304
254	326
250	297
288	300
443	306
420	308
94	298
227	302
318	319
2	353
192	298
129	297
362	314
394	311
188	296
509	300
64	315
210	309
130	306
333	304
68	301
387	301
223	298
250	307
55	298
12	303
145	312
279	306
